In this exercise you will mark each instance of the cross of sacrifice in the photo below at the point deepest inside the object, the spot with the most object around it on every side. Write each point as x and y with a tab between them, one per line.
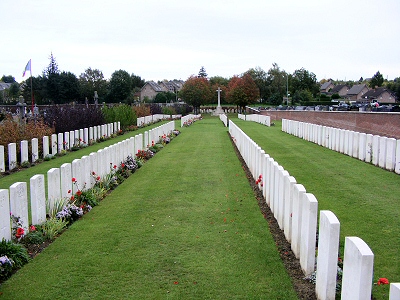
219	96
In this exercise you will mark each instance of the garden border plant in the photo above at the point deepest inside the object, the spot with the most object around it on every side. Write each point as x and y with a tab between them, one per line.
26	245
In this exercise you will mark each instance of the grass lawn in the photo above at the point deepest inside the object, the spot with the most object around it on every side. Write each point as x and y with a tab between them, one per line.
364	197
185	226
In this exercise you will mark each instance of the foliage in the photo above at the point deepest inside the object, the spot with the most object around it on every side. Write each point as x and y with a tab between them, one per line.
57	205
196	92
302	96
141	110
53	227
376	80
68	118
202	73
90	81
168	110
394	87
119	87
14	251
7	79
155	109
242	91
260	78
34	237
122	113
304	80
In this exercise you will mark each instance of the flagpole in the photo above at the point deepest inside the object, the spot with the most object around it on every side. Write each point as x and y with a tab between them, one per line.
33	101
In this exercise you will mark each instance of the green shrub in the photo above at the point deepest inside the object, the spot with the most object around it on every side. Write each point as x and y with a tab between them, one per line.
14	251
34	237
53	227
121	113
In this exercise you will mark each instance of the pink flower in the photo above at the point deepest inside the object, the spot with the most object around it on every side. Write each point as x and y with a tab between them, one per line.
32	228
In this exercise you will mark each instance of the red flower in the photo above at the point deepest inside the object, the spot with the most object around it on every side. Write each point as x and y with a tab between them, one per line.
69	191
98	178
383	281
79	193
32	228
72	198
176	282
20	232
93	173
122	165
73	179
115	166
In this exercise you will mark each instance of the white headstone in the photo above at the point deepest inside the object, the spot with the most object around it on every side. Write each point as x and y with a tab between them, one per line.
35	149
45	146
86	135
19	203
308	232
358	264
390	154
394	292
382	151
287	222
53	144
66	141
375	149
12	156
327	260
71	139
60	142
2	160
24	152
298	191
397	163
5	226
38	199
53	187
362	146
66	180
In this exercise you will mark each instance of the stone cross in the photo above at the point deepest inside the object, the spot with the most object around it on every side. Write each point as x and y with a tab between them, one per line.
219	96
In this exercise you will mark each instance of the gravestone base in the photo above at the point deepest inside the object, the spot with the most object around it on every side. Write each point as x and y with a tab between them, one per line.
218	111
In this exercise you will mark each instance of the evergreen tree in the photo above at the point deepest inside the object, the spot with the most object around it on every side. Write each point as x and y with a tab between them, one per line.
202	73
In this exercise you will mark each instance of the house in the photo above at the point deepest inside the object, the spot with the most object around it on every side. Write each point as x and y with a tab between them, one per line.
326	87
379	94
150	90
340	89
357	92
3	87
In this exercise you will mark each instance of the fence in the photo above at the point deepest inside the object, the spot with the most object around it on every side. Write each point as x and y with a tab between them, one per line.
224	119
296	212
54	144
59	180
378	150
262	119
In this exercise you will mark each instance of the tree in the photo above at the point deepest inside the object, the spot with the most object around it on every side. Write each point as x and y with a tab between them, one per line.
260	78
137	82
304	80
196	92
202	73
242	91
119	87
7	79
69	87
90	81
52	79
377	80
277	84
218	82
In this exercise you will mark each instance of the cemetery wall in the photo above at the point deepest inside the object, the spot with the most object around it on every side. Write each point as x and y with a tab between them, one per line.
376	123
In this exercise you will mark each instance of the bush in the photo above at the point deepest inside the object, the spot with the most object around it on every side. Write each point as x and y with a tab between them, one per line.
121	113
14	251
67	118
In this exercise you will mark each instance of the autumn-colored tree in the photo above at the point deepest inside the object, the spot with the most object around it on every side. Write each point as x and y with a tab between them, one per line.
242	91
196	92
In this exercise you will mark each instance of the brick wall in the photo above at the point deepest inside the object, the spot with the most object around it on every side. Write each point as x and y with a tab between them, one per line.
383	124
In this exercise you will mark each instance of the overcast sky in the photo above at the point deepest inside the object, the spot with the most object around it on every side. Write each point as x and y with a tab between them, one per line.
341	39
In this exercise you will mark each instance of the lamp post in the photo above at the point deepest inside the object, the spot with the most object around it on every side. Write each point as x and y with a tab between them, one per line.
287	89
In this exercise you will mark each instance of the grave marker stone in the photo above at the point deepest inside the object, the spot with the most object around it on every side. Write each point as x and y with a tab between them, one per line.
5	226
38	199
12	156
2	161
19	203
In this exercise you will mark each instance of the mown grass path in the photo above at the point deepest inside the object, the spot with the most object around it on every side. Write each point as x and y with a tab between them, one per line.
184	226
364	197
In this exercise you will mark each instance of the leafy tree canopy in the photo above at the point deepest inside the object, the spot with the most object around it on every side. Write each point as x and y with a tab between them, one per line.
119	87
196	91
242	91
377	80
202	73
8	79
304	80
90	81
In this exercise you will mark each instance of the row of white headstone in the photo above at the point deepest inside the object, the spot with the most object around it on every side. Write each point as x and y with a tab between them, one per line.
378	150
55	144
224	119
262	119
296	212
189	117
155	118
59	181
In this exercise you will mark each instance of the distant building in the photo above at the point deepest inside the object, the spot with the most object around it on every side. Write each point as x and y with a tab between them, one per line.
340	89
326	87
150	90
357	92
379	94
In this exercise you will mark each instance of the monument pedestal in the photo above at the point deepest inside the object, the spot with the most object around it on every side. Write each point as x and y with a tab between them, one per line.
218	111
